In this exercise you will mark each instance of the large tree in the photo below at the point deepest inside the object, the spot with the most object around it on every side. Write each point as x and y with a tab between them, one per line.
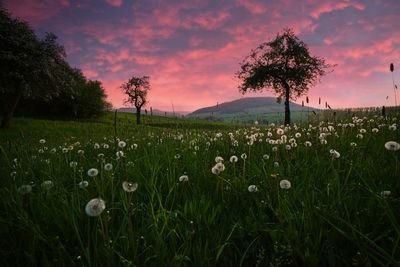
29	67
136	90
283	65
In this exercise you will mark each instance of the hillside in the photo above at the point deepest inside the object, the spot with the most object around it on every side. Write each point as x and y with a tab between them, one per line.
247	109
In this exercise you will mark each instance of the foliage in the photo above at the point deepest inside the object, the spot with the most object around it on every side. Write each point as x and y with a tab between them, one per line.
34	72
136	90
283	65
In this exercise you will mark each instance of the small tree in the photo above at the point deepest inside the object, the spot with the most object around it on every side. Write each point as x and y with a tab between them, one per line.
136	89
284	65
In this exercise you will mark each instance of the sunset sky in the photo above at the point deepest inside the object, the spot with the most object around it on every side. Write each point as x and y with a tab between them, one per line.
192	49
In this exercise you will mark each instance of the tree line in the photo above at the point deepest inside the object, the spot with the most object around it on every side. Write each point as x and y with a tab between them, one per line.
36	79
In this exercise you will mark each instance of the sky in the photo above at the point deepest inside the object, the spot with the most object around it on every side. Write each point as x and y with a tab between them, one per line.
191	49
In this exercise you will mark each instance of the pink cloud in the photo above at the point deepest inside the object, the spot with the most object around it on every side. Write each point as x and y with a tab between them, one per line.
115	3
35	11
328	7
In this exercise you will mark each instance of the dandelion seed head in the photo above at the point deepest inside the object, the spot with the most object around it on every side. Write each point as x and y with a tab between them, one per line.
108	167
285	184
129	186
48	184
95	207
184	178
83	184
392	146
252	188
24	189
233	159
93	172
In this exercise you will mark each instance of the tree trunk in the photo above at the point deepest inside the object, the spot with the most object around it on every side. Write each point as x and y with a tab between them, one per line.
9	111
287	108
137	115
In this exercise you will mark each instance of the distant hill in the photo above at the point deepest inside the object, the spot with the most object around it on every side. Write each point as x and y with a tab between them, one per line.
156	112
247	109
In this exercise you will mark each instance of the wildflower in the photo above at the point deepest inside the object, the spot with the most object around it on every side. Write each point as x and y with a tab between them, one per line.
73	164
177	156
184	178
93	172
288	147
25	189
274	149
41	151
129	186
106	146
375	130
83	184
233	159
215	171
297	135
119	154
80	151
256	122
65	150
219	159
353	144
220	166
360	136
392	145
108	167
121	144
392	127
363	131
280	131
42	141
244	156
385	193
265	156
134	146
95	207
47	184
334	153
276	164
285	184
252	188
307	144
96	146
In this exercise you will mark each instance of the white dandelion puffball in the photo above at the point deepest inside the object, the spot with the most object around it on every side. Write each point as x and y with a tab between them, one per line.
392	146
184	178
83	184
244	156
119	154
252	188
276	164
219	159
121	144
73	164
215	170
95	207
24	189
233	159
334	153
307	144
385	193
297	135
47	184
108	167
42	141
265	156
375	130
285	184
220	166
129	186
93	172
280	131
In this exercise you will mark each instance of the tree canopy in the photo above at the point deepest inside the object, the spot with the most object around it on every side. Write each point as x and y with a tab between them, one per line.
35	71
283	65
136	90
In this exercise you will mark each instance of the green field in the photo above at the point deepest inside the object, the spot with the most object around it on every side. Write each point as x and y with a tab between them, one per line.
318	195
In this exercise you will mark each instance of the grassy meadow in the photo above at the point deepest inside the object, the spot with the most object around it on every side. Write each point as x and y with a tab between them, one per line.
177	192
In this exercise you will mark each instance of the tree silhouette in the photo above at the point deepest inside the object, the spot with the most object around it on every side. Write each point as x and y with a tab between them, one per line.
283	65
30	68
136	89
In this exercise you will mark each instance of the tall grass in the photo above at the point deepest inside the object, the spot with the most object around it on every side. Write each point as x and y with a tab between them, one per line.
337	212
